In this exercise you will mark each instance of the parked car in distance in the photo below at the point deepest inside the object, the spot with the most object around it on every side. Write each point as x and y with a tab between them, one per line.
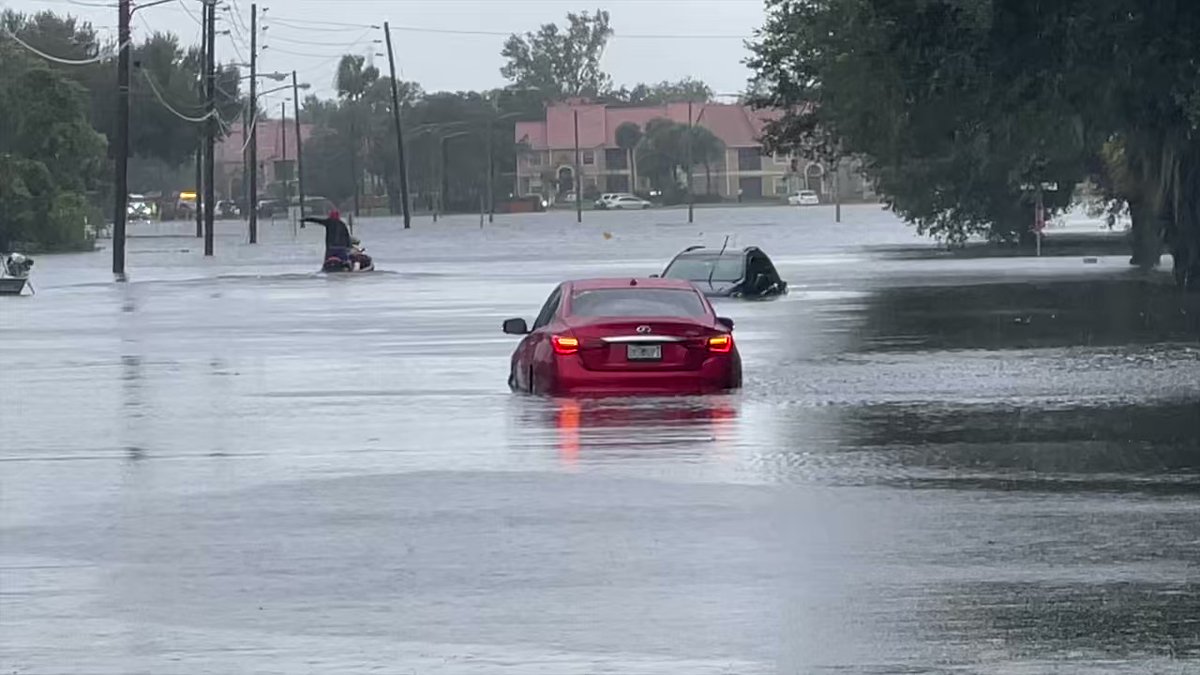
804	198
747	273
227	209
625	336
628	202
607	198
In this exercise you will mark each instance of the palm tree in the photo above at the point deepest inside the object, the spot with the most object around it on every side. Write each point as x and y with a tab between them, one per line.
354	79
629	135
707	149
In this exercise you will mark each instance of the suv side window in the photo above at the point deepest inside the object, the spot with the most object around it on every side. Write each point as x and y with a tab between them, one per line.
548	309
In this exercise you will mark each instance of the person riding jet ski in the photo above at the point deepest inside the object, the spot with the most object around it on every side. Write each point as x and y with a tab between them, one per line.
337	236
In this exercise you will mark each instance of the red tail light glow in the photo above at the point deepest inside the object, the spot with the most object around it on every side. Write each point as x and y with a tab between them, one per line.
564	344
720	344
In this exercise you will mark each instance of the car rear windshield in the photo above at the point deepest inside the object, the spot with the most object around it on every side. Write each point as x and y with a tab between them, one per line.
703	268
638	302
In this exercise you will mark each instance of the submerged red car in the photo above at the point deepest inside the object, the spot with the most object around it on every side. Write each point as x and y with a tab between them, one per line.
651	336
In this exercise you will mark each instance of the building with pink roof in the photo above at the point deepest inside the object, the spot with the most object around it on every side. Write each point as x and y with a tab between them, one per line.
546	162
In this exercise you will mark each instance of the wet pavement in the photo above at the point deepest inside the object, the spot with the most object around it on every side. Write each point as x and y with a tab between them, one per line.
937	464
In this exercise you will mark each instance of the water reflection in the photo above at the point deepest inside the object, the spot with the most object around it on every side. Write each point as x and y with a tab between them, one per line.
615	428
1030	315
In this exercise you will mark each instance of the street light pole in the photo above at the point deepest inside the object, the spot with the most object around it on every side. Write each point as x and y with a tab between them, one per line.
211	124
121	205
690	142
287	193
578	178
252	201
387	31
299	143
199	190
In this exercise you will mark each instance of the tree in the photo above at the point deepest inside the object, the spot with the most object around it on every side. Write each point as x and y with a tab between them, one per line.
354	79
49	155
708	150
687	89
953	107
628	135
560	62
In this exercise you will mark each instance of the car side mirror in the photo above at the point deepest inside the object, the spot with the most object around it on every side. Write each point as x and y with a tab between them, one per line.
725	321
516	327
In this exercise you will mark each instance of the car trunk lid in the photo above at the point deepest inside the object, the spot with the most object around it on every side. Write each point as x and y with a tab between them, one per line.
642	344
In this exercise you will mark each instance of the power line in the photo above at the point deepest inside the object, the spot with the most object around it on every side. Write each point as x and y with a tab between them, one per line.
107	56
322	26
171	109
355	43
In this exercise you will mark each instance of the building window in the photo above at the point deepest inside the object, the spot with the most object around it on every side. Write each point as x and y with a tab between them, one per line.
589	157
615	159
535	159
749	159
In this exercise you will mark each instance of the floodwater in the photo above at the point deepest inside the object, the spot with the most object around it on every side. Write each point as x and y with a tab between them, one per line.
938	465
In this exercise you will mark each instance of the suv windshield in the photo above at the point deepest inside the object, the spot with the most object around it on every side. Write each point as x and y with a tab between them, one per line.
700	267
637	302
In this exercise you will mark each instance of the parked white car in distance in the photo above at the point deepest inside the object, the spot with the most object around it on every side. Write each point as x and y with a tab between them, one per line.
628	202
804	198
608	198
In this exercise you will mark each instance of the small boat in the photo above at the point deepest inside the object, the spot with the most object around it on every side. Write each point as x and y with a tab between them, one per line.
14	273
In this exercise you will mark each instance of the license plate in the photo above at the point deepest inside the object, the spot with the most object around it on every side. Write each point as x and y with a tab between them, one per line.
644	352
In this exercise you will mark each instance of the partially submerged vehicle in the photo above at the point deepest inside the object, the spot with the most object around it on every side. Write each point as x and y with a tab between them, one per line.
747	273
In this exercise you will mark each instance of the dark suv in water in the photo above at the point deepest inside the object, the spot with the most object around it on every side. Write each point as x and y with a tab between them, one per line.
746	273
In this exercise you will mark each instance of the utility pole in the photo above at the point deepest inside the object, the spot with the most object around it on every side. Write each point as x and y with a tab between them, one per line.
299	144
490	163
200	136
252	200
287	194
690	142
578	178
444	187
211	125
387	31
121	206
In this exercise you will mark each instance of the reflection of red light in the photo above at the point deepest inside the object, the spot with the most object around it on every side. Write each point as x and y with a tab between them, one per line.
720	344
568	430
564	344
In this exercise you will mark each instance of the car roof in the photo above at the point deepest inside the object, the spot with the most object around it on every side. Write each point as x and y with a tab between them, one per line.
630	282
705	252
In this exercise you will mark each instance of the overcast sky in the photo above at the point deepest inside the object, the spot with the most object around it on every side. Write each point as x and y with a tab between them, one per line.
300	35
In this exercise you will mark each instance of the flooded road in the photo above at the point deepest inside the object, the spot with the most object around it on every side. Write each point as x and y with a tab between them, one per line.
937	464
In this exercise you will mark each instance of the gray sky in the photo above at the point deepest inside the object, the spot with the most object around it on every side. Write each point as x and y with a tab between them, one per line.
440	61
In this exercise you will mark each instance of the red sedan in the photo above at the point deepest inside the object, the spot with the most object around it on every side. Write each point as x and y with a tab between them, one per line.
652	336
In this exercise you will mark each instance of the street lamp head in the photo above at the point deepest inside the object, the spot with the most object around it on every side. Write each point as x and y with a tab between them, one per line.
304	85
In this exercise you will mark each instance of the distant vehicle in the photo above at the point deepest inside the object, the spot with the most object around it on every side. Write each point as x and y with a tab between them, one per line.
625	202
747	273
227	209
804	198
652	336
138	208
187	201
607	198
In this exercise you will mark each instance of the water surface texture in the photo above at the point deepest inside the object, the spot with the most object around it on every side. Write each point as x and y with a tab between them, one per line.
938	464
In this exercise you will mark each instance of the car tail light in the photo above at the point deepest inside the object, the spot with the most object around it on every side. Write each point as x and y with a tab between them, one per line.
564	344
720	344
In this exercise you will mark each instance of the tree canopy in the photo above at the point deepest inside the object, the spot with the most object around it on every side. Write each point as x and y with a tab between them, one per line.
561	62
49	155
956	108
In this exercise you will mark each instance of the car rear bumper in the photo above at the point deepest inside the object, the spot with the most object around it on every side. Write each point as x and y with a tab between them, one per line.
717	374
